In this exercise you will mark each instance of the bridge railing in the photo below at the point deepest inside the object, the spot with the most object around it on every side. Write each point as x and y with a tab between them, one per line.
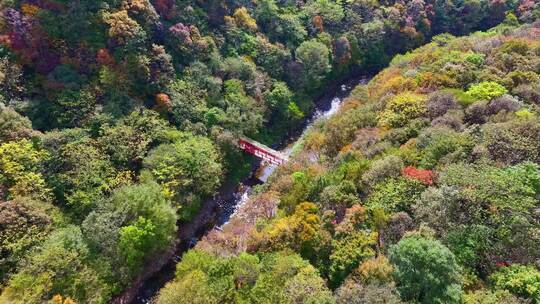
266	153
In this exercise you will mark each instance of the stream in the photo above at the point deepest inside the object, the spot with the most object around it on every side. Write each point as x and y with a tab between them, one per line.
217	212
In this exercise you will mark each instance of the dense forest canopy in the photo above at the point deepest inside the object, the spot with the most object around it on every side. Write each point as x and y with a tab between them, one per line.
119	118
424	188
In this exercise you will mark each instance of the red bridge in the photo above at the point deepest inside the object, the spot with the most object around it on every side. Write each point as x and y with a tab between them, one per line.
265	153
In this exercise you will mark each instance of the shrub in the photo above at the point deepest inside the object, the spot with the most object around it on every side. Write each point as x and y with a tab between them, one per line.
521	280
513	142
484	296
448	121
388	167
524	113
503	103
394	194
442	144
486	90
402	108
439	103
355	293
424	176
462	97
530	93
476	113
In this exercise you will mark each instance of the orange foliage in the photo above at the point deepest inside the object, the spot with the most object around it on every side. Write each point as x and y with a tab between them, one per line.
434	81
391	82
318	23
163	102
104	58
424	176
346	149
29	9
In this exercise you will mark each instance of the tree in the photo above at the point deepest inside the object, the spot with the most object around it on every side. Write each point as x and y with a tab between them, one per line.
10	80
244	20
135	241
124	29
315	59
78	171
394	194
25	223
485	296
242	114
425	271
348	253
188	169
188	102
21	166
330	11
136	222
14	126
63	265
74	107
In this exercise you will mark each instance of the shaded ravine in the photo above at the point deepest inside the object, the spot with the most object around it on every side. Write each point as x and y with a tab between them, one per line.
217	211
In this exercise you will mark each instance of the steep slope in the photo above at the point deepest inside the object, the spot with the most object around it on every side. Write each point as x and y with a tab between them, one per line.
424	187
119	118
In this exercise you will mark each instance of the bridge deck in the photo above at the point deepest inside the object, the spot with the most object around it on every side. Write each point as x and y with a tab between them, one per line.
262	151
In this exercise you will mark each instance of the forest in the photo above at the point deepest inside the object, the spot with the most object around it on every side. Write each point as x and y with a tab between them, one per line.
119	121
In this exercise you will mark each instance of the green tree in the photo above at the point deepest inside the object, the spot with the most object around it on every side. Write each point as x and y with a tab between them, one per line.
135	223
425	271
315	59
78	171
188	169
348	253
14	126
21	165
136	240
25	223
63	265
331	11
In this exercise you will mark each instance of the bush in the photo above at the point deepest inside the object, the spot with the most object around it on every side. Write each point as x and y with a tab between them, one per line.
439	144
394	194
439	103
476	113
448	121
462	97
513	142
486	90
388	167
354	293
402	108
503	103
521	280
484	296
